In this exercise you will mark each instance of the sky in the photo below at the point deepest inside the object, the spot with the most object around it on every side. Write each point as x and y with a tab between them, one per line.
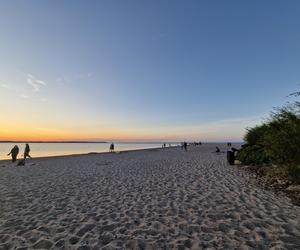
144	70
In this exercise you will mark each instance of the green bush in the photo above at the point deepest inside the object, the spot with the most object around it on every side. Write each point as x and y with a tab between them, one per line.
282	139
255	135
252	155
253	152
276	142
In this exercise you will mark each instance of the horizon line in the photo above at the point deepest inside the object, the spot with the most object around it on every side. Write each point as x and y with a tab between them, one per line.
116	141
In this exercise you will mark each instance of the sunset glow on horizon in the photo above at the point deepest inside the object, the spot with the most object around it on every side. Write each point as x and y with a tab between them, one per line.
144	71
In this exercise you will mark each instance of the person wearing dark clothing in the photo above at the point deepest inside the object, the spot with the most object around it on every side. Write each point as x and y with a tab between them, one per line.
14	153
112	148
217	150
26	152
230	157
185	146
234	149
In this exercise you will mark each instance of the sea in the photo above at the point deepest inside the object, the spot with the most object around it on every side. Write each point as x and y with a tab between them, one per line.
43	149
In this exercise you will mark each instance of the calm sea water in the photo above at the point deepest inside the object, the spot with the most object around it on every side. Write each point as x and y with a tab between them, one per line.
55	149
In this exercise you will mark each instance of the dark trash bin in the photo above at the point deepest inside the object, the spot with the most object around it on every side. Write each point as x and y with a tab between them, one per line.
230	157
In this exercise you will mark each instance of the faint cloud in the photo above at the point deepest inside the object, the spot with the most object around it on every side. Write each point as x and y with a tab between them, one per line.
7	86
35	83
24	96
20	90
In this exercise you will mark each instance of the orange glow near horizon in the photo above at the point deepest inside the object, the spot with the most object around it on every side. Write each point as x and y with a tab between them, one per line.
16	129
73	136
43	134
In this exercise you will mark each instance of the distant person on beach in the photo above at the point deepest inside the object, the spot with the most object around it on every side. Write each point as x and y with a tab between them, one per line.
230	157
229	144
218	150
185	146
112	148
26	151
14	153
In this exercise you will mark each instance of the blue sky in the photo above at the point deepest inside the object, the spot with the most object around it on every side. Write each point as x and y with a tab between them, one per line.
134	70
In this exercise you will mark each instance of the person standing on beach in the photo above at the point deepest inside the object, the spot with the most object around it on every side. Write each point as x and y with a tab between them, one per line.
26	151
14	153
185	146
112	148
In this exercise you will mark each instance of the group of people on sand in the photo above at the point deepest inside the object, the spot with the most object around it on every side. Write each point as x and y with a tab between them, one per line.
15	151
228	145
231	153
184	145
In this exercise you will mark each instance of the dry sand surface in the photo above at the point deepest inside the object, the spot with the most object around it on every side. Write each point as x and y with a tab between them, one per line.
151	199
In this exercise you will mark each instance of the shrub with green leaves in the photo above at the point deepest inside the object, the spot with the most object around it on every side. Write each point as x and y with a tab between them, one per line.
282	139
277	141
252	155
253	152
255	135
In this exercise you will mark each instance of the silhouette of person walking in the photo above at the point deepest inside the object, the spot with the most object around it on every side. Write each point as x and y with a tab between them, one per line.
185	146
14	153
26	151
112	148
218	150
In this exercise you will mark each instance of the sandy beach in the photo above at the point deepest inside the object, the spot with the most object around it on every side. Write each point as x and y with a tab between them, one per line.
149	199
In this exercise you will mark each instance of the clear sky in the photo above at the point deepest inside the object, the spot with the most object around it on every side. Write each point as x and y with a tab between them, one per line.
144	70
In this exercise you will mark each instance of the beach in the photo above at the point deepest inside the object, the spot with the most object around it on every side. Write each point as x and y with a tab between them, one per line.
145	199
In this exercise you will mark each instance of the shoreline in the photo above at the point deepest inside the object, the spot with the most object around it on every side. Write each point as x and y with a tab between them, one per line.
116	152
84	154
222	144
32	142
